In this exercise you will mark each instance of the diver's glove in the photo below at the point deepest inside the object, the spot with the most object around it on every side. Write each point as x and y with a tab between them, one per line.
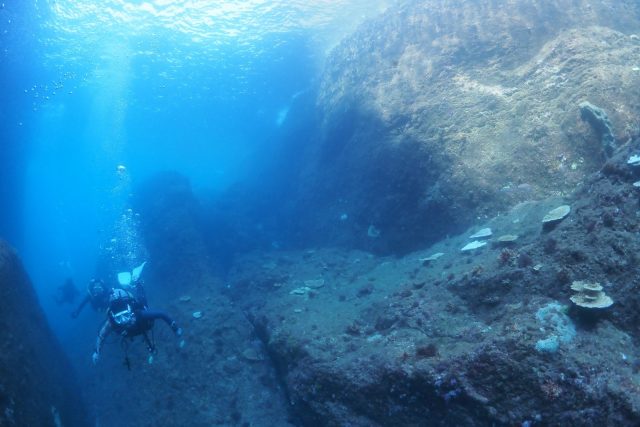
95	357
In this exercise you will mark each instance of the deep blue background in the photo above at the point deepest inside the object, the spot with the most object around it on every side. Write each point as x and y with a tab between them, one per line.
82	95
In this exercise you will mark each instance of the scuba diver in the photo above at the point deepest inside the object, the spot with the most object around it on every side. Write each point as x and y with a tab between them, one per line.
129	317
97	295
66	293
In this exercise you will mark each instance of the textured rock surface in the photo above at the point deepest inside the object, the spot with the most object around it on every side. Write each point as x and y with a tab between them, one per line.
460	340
37	384
438	113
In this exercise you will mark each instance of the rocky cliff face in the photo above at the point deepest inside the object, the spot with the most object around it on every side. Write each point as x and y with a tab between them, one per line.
438	113
37	386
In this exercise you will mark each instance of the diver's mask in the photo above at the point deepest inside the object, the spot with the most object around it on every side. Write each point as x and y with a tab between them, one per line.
125	317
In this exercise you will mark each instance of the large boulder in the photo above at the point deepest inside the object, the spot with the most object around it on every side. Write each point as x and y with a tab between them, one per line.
37	383
437	113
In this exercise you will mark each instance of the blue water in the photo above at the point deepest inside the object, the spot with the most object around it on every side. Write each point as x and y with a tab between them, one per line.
97	96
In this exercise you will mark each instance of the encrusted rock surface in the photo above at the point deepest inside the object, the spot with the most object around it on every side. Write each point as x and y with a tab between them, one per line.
486	338
438	113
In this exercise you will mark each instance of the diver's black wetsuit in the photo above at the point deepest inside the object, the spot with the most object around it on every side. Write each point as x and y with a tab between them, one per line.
143	323
99	301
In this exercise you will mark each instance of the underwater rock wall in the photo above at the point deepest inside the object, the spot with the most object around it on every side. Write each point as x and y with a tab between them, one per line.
438	113
37	383
466	338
